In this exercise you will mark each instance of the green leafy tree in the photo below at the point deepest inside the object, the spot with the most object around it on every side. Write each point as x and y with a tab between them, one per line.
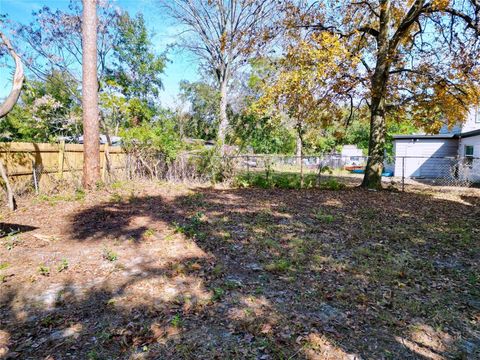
133	82
46	110
263	135
136	69
114	111
203	114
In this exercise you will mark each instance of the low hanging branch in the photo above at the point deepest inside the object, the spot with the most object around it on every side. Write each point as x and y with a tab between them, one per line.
7	106
18	77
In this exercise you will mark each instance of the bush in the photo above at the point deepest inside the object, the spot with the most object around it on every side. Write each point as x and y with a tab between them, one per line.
152	143
215	167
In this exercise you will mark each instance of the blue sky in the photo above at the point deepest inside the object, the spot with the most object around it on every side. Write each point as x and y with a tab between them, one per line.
183	66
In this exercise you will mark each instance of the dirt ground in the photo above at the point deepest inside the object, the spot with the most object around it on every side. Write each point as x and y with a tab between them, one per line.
162	271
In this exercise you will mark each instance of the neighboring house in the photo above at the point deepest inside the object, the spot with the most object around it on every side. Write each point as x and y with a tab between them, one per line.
454	153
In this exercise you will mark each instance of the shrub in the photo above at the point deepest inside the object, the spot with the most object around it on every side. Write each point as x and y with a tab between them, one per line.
150	143
215	167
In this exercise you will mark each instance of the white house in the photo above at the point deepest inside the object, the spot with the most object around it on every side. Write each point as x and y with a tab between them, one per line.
454	153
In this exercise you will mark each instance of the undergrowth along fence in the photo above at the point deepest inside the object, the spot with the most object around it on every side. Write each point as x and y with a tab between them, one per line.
328	170
399	171
47	167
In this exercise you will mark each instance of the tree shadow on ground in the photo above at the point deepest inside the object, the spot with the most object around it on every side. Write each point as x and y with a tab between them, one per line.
285	274
7	229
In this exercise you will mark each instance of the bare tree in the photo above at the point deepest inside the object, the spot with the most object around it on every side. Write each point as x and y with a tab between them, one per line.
7	106
224	33
91	131
53	39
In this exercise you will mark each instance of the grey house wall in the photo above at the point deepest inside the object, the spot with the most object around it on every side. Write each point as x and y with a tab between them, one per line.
472	171
422	157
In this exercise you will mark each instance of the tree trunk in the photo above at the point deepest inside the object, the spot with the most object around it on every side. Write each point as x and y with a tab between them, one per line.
299	147
91	132
300	152
223	125
12	204
379	81
376	149
6	107
18	78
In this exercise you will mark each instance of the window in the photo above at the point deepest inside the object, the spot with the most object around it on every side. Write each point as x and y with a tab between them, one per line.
468	154
468	150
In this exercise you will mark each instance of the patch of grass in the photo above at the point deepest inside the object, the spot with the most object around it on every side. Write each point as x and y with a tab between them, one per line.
94	355
118	185
80	194
324	218
149	233
368	213
109	254
217	270
116	198
281	265
177	321
4	265
332	184
285	180
63	265
271	243
49	321
218	294
44	270
232	284
77	195
194	199
192	227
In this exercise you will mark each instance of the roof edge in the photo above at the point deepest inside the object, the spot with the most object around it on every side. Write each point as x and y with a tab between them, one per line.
469	133
438	136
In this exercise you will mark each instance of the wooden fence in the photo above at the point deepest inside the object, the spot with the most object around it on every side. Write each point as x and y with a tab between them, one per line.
24	161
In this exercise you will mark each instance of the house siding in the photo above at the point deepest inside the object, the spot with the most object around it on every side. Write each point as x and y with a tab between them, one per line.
422	157
472	122
472	171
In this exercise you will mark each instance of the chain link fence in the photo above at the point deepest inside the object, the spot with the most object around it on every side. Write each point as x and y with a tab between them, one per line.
304	171
397	171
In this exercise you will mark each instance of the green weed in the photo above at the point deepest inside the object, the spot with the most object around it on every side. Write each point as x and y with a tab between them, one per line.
325	218
63	265
281	265
116	198
109	255
177	321
218	293
44	270
149	233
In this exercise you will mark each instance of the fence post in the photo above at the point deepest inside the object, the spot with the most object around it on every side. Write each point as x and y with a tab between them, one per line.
403	173
35	179
61	158
105	161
